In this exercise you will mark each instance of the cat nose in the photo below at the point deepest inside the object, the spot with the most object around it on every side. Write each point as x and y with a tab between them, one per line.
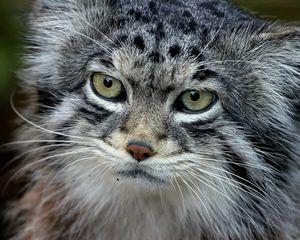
139	151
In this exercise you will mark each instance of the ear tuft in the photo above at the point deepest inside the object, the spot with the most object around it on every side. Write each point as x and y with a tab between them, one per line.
278	32
281	50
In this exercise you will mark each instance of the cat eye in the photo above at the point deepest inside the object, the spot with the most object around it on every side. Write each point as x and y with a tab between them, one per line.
107	87
194	101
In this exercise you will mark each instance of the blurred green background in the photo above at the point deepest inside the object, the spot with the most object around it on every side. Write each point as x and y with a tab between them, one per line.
11	31
11	47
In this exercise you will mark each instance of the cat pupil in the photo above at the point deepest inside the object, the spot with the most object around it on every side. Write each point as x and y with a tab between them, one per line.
108	82
195	96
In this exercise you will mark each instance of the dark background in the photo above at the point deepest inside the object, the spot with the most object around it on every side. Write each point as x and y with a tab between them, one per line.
11	48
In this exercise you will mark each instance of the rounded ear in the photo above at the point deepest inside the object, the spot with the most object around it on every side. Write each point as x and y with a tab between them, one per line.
281	45
284	32
280	57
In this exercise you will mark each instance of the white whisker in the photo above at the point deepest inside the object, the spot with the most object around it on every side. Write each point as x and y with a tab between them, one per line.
35	125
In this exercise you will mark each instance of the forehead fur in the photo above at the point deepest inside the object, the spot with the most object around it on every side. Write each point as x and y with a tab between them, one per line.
151	41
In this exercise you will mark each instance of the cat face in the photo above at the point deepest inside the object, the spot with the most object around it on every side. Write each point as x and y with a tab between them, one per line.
198	92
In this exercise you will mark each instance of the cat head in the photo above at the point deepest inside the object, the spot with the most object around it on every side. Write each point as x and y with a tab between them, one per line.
148	95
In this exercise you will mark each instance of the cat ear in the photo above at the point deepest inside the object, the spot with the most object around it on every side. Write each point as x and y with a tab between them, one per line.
280	32
280	58
281	49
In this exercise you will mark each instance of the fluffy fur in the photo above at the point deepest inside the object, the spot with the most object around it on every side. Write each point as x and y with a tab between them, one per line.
229	173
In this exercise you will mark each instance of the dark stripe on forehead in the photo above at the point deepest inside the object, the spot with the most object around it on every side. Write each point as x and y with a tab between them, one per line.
196	54
192	26
156	57
202	74
139	43
174	50
107	63
152	7
138	16
121	39
159	32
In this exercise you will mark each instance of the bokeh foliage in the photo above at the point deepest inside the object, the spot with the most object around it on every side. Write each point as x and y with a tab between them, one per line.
10	45
273	9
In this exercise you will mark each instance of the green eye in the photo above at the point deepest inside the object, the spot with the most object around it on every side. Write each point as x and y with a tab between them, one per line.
196	101
106	86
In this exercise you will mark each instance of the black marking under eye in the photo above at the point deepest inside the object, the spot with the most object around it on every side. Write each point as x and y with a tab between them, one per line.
139	43
94	117
174	50
199	130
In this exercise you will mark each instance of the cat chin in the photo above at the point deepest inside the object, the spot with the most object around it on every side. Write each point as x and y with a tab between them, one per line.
137	179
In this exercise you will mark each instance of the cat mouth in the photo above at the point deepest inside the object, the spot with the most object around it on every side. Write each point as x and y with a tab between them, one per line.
138	173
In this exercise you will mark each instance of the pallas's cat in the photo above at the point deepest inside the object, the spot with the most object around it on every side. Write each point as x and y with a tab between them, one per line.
158	120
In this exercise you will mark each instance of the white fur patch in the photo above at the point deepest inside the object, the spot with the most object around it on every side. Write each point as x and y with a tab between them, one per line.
182	117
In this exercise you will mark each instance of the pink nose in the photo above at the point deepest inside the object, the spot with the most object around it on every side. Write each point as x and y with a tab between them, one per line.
139	152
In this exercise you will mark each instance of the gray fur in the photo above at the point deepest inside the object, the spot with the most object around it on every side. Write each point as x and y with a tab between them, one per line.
230	173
